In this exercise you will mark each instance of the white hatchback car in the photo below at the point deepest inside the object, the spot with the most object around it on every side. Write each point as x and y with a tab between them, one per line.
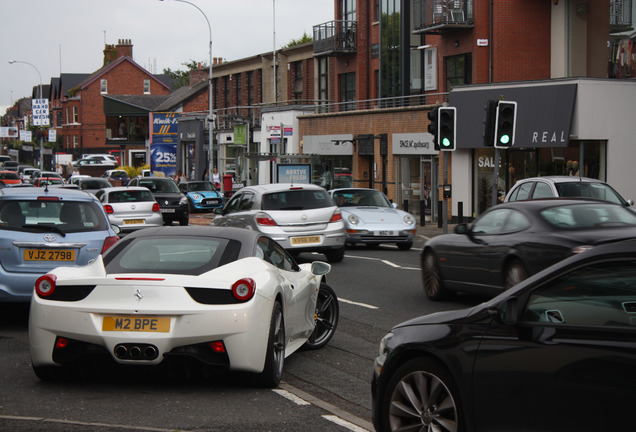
130	208
565	187
300	217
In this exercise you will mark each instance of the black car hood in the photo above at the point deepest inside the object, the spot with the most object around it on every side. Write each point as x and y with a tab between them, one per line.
445	317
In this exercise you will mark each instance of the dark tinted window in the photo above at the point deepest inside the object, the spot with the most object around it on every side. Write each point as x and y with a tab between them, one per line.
300	199
599	191
38	215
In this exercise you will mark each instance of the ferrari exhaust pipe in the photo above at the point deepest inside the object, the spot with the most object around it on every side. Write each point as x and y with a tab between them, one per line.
121	351
150	352
136	352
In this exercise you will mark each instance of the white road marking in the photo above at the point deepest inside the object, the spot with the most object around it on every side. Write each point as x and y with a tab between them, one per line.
344	424
368	306
387	262
292	397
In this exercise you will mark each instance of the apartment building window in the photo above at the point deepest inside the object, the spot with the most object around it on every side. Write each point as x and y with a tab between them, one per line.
459	70
104	86
215	92
323	80
75	141
347	10
66	116
226	91
348	90
298	80
146	86
237	89
250	88
390	46
75	114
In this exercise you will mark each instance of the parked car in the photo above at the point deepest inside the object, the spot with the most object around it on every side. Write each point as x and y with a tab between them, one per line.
90	184
11	166
554	353
174	204
44	181
301	217
96	159
514	240
3	159
202	195
117	177
217	297
130	207
371	219
49	174
565	187
10	177
46	228
27	174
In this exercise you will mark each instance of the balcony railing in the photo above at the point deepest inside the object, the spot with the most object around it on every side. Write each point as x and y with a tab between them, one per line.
435	16
621	16
335	37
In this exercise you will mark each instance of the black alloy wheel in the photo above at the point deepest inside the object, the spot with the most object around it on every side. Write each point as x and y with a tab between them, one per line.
326	318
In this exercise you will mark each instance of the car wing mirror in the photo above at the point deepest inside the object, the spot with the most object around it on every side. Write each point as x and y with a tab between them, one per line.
320	268
462	229
508	311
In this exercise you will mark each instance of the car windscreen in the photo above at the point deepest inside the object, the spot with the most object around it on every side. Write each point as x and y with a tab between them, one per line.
201	187
360	197
9	175
593	215
579	189
186	255
132	195
297	199
160	186
52	216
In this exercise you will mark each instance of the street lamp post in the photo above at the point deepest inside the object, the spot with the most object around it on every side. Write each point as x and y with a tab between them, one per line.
210	116
41	96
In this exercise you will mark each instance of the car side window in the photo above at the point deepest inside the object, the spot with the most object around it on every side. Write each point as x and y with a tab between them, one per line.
602	294
492	222
542	190
522	192
516	222
246	202
233	204
274	254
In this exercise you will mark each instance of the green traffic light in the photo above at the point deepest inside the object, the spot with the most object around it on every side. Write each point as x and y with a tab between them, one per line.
505	139
446	142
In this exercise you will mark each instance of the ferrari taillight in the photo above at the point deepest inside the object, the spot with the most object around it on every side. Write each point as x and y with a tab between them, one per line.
244	289
108	208
217	346
45	285
108	242
156	208
337	215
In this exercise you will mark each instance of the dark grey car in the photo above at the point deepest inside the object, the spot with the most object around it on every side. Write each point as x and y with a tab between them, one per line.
174	204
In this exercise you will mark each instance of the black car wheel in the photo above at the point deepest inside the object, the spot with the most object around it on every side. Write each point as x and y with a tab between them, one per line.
404	246
421	396
275	357
335	255
515	273
184	221
431	278
326	318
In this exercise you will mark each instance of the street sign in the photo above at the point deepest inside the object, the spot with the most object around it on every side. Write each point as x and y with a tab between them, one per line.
40	112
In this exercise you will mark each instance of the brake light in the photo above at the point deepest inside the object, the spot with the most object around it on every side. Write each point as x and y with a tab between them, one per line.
108	242
264	219
45	285
156	208
47	198
244	289
337	215
217	346
108	208
61	343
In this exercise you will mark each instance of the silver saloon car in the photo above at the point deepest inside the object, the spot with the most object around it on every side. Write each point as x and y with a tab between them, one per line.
130	208
300	217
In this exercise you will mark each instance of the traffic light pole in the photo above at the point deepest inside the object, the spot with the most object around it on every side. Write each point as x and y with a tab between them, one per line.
495	180
445	202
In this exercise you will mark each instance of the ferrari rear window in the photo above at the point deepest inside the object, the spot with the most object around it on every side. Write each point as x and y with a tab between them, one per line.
173	255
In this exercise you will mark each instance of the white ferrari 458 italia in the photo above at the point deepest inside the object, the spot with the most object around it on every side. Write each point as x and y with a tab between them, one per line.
219	297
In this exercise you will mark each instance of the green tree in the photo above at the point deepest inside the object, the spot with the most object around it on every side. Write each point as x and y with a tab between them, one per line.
182	77
304	39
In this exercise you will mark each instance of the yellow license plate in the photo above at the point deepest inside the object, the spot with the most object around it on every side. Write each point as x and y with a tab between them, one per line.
49	255
134	221
136	324
305	240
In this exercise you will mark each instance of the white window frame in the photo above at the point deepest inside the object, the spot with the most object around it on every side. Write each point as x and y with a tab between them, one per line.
104	86
75	115
146	86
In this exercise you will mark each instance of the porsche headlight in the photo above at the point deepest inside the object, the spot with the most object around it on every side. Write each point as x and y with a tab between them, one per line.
353	219
409	220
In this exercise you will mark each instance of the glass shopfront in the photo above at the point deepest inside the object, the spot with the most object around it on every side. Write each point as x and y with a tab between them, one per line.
584	158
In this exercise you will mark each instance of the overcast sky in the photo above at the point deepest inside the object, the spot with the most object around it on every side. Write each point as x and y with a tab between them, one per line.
68	36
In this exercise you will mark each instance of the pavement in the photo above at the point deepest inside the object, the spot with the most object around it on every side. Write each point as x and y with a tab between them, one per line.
427	231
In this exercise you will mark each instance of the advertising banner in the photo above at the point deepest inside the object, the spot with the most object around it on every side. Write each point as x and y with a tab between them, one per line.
163	158
164	127
52	135
9	132
25	136
40	112
293	173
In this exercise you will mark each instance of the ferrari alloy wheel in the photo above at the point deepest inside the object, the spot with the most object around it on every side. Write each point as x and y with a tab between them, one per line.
326	318
275	356
431	278
515	273
421	397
